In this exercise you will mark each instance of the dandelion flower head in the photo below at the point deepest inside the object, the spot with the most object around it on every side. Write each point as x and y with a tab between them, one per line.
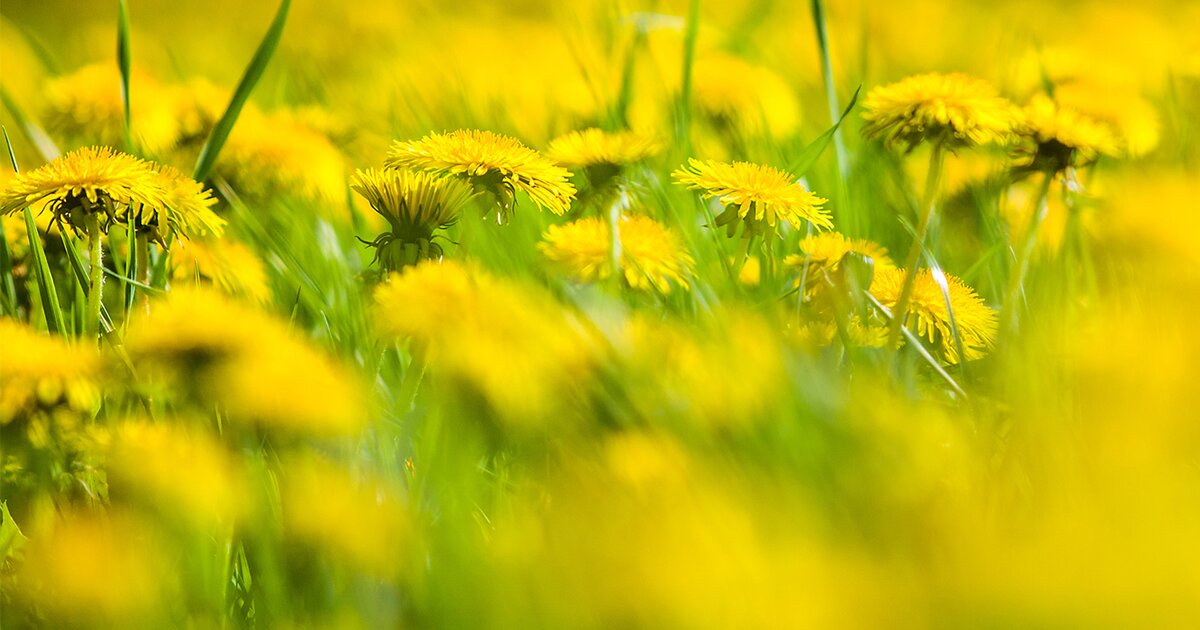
652	256
976	322
759	196
957	109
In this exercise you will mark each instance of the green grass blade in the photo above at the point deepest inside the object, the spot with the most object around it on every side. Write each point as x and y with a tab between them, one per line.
220	133
691	34
123	63
45	279
8	287
839	145
807	156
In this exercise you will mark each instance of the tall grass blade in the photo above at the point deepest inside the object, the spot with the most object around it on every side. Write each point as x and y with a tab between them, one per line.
691	33
258	64
45	146
123	63
839	145
807	156
41	268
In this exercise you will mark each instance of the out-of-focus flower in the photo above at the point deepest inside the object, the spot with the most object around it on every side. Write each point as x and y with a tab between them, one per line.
117	188
178	470
92	568
415	204
200	343
40	372
652	256
492	163
598	148
824	253
1133	119
231	266
275	154
85	107
955	109
1057	137
355	520
760	196
976	323
744	98
505	341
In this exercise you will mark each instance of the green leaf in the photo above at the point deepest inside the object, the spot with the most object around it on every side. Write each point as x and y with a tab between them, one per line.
220	133
41	268
809	154
8	287
123	63
11	538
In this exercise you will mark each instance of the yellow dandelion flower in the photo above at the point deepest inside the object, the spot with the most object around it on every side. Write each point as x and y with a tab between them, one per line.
652	256
186	471
598	148
118	188
739	96
1057	136
956	109
510	344
415	204
271	155
358	521
927	311
493	163
40	372
231	266
823	252
206	349
759	196
99	569
1133	119
85	107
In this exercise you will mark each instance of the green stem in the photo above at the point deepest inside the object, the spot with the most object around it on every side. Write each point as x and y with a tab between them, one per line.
743	256
1016	279
614	233
933	179
143	272
95	274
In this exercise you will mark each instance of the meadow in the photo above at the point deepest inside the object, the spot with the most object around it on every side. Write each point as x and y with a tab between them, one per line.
599	314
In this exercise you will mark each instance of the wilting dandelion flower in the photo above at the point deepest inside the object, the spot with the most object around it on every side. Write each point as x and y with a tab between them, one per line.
651	255
231	266
759	196
927	312
1057	137
415	204
492	163
955	109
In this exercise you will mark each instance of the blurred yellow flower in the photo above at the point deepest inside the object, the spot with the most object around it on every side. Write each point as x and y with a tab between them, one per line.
956	109
927	311
358	521
652	256
40	371
231	266
85	107
1057	137
276	154
759	196
415	204
493	163
200	343
1133	119
738	96
181	471
824	252
598	148
105	569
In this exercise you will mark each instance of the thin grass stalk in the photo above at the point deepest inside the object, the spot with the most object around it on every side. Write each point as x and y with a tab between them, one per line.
1016	279
691	34
95	273
933	180
614	232
839	143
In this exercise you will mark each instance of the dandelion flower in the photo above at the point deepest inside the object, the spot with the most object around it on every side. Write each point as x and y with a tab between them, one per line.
824	252
415	204
739	96
1133	120
598	148
759	196
976	322
956	109
493	163
117	188
41	372
651	255
85	107
271	155
231	266
1058	136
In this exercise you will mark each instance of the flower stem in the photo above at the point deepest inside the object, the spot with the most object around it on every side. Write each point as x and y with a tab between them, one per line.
614	233
933	181
95	275
1016	280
